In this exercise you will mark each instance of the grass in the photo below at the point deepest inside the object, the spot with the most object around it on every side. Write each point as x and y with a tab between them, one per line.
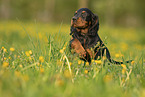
36	61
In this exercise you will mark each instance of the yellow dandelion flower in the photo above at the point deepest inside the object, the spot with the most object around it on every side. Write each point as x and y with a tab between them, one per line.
132	62
38	64
87	63
30	59
104	57
123	80
5	58
5	64
30	52
124	66
123	71
41	70
21	66
10	58
70	63
61	51
12	49
5	50
41	59
96	69
65	44
64	48
27	53
117	55
79	62
3	47
98	61
83	62
86	71
93	61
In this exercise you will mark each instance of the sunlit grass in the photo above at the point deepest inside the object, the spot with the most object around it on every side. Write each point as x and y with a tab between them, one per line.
35	60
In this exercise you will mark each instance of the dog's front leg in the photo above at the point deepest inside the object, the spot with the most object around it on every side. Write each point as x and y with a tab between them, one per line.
78	48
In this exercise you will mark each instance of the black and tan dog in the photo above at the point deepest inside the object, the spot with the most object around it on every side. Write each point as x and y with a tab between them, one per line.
85	39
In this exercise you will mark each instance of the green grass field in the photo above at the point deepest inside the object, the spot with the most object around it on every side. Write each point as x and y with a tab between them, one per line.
35	61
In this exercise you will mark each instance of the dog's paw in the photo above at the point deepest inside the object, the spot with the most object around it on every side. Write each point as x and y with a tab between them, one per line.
82	53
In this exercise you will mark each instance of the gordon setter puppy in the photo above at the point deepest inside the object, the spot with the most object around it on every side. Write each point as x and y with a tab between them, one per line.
85	39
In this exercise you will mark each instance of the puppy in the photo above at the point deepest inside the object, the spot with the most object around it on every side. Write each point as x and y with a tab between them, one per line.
85	40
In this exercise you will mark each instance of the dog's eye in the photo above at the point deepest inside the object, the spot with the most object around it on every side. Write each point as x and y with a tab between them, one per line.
83	14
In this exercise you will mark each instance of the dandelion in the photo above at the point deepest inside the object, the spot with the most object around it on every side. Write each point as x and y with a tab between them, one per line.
64	48
86	71
30	52
104	57
87	63
12	49
21	66
70	63
93	61
5	58
96	69
117	55
124	66
10	58
98	61
41	70
123	71
5	64
27	53
61	51
30	59
79	62
5	50
3	47
41	59
38	64
132	62
123	79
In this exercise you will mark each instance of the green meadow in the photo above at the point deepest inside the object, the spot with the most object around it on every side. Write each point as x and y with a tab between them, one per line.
35	61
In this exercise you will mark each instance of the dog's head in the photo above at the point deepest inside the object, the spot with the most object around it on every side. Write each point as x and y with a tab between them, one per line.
84	18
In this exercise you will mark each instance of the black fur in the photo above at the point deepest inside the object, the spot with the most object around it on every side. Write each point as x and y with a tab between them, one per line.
91	39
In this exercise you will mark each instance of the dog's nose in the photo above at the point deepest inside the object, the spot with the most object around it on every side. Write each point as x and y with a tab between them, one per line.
74	19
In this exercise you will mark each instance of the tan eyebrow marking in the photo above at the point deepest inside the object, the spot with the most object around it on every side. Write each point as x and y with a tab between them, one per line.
83	11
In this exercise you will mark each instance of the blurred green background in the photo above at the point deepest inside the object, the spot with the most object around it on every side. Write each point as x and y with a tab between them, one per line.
128	13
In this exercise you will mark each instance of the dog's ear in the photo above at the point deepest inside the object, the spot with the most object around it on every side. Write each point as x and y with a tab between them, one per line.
94	25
